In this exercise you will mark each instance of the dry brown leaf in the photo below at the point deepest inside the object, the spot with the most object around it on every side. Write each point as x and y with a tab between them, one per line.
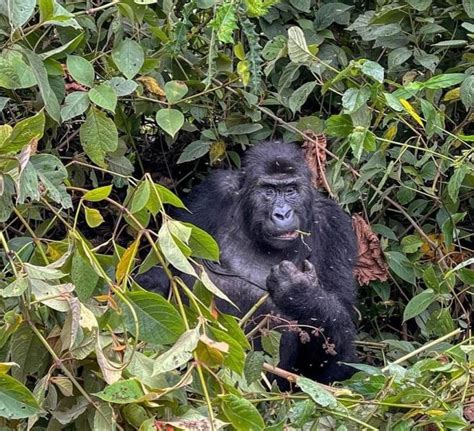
74	86
370	263
316	158
151	84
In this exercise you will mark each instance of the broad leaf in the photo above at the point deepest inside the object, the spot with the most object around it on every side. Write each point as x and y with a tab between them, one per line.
170	120
81	70
129	57
104	96
158	321
16	401
98	136
241	413
418	304
75	104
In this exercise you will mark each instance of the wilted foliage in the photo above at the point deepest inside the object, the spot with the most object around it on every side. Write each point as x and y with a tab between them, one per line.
103	104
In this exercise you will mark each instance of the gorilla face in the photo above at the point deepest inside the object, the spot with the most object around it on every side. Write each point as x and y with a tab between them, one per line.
278	209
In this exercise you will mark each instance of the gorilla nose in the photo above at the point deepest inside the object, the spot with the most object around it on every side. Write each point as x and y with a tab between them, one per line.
283	217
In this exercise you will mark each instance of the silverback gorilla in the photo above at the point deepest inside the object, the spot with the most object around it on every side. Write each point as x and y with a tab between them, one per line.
278	235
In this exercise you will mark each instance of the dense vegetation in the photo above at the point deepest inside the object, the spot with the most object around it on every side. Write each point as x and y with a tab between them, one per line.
107	106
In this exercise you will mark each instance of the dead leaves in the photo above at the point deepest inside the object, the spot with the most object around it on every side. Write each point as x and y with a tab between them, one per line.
370	263
316	158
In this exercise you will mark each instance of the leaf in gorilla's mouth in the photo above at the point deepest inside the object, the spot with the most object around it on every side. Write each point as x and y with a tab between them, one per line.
288	235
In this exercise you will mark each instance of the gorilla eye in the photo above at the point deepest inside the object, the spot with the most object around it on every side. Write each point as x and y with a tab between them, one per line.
269	191
290	190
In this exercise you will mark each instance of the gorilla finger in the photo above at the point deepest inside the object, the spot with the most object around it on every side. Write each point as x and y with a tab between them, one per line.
309	268
288	267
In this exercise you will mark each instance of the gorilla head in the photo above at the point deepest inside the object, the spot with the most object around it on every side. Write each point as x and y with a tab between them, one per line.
276	195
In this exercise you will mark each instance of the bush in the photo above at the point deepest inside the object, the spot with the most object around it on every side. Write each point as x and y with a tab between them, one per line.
106	103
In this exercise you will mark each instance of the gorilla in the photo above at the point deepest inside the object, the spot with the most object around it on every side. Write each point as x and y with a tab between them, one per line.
277	234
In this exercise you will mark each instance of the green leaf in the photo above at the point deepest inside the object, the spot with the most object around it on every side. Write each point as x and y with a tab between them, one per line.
224	23
168	197
98	136
47	170
444	81
93	217
202	244
83	276
355	98
297	48
241	413
467	90
16	401
14	289
398	56
362	139
456	180
23	133
75	104
468	7
104	96
140	197
339	126
194	151
253	366
244	129
299	96
373	70
418	304
317	393
49	98
172	251
158	321
411	243
170	120
129	57
419	5
401	266
179	354
175	91
81	70
431	279
14	72
122	392
271	345
122	86
20	11
98	194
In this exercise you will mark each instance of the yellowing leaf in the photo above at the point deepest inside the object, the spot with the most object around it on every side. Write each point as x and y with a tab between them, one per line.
151	84
93	217
244	71
126	261
408	108
5	132
451	95
391	132
239	51
217	152
97	194
5	366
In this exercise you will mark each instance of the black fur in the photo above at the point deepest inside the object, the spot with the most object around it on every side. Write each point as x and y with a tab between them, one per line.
310	278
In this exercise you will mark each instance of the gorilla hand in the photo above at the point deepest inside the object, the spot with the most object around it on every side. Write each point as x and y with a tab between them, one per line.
292	290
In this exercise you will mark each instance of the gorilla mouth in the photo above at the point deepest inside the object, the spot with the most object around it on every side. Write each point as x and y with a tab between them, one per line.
288	236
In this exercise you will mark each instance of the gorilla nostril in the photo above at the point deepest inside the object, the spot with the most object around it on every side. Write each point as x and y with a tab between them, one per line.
289	213
278	216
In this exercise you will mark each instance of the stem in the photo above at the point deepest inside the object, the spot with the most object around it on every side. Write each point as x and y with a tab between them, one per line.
423	348
249	314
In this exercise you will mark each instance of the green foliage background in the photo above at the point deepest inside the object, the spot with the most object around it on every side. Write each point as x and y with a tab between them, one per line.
104	102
